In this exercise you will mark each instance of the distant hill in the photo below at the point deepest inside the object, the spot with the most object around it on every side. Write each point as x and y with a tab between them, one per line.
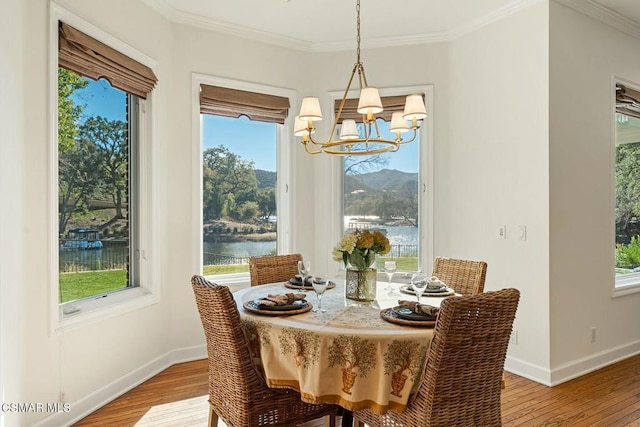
266	179
382	180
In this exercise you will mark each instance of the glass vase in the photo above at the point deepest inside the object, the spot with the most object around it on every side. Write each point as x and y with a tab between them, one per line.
361	284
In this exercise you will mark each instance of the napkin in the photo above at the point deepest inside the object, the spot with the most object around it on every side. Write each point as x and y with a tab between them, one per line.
298	280
272	300
418	308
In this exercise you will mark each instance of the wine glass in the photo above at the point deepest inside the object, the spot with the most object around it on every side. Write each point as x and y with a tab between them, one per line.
319	286
390	268
419	284
304	267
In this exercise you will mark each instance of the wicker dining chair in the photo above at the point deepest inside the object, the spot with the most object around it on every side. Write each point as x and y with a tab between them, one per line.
273	268
460	384
238	392
465	277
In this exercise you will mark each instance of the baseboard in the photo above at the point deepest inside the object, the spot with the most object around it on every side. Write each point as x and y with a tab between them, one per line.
574	369
106	394
593	362
527	370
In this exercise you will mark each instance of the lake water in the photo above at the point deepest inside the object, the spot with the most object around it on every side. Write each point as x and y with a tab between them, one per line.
116	256
398	235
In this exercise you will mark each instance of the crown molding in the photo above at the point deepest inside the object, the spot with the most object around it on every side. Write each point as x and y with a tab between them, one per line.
173	15
492	17
193	20
381	42
604	15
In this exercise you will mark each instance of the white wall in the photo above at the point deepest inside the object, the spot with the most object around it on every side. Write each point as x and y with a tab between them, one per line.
492	170
494	164
13	144
89	362
584	56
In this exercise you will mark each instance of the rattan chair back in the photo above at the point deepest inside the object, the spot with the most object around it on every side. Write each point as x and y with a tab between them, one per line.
460	384
237	390
273	268
465	277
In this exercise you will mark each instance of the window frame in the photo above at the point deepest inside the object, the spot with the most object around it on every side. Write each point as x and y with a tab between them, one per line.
284	140
425	176
629	283
64	316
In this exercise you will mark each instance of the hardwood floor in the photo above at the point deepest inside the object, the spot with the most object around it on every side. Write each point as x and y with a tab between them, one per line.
609	397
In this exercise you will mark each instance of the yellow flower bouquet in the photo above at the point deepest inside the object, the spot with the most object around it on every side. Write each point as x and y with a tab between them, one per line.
359	248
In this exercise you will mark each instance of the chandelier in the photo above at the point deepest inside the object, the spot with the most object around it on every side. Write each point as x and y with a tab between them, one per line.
345	138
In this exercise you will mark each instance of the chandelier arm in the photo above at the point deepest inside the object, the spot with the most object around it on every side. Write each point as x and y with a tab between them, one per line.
344	99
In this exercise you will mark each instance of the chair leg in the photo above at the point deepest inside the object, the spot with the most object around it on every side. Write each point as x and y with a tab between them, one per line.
330	420
213	417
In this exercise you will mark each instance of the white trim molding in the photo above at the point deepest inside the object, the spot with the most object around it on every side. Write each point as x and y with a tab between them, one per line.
604	15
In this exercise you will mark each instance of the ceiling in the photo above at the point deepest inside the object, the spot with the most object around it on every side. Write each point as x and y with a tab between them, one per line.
325	25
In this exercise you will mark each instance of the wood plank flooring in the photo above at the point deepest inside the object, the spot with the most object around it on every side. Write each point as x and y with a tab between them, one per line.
609	397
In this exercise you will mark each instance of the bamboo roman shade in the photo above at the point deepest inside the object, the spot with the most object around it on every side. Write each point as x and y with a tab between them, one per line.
91	58
627	101
227	102
391	104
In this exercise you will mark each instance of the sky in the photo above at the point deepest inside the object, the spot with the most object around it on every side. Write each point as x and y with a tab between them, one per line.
242	136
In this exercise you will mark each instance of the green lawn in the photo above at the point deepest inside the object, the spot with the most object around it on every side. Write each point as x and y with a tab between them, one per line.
85	284
403	264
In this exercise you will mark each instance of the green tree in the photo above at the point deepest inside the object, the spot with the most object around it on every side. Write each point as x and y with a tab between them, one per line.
247	212
111	139
68	111
627	189
226	173
79	180
267	202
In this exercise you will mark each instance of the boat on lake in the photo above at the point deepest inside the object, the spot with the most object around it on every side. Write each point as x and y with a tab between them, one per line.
82	238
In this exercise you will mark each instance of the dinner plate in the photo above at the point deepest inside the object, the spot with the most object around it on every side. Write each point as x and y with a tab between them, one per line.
444	293
252	307
309	287
408	314
391	316
301	303
298	282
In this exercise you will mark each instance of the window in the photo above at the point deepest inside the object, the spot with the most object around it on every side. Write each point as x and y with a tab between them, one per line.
100	103
627	186
392	191
241	197
381	192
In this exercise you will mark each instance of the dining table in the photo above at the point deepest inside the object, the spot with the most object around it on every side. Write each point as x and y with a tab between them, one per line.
355	354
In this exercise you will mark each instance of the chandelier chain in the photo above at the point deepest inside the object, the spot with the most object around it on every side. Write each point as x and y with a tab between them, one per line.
358	31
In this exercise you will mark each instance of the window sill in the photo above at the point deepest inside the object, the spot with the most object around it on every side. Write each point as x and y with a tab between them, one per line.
235	282
626	284
75	313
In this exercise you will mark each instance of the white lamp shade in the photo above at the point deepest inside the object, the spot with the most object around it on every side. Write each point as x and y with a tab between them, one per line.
310	109
398	123
369	101
300	127
414	108
348	129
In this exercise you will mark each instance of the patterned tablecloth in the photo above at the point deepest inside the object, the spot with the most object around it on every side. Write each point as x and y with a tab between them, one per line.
348	355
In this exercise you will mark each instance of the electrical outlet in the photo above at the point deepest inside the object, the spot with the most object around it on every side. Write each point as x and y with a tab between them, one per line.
502	232
514	337
593	334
